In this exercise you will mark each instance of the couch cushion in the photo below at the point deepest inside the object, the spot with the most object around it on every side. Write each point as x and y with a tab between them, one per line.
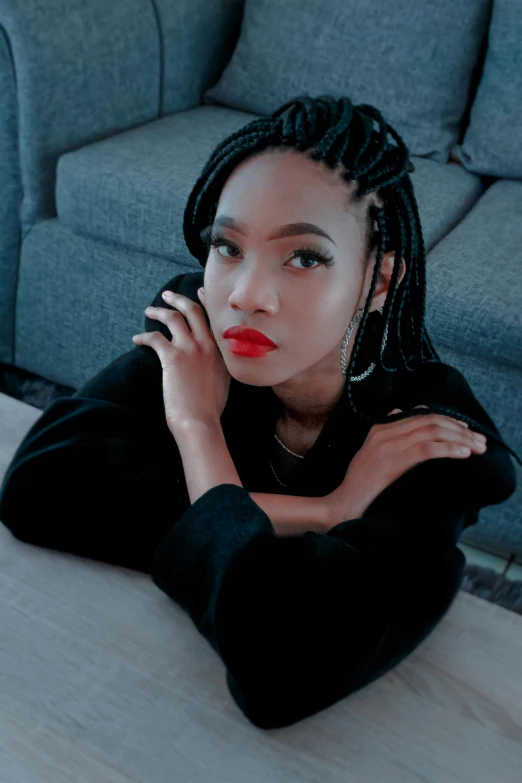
413	59
474	279
492	144
132	189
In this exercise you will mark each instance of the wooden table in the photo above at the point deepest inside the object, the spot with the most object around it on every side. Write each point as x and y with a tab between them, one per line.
104	679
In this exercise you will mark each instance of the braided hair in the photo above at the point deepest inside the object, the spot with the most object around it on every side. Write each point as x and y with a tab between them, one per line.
338	133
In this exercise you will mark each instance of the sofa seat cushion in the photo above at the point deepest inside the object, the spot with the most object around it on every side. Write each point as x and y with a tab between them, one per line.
131	189
474	279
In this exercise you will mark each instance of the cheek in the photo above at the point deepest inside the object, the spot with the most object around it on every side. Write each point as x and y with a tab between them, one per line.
319	329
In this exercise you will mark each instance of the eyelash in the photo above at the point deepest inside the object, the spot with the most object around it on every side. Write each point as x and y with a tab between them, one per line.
216	240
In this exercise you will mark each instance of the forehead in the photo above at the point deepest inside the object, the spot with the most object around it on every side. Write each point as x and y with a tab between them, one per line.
286	179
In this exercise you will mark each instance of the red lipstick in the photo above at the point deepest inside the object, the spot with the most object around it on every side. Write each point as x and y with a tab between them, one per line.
245	334
248	342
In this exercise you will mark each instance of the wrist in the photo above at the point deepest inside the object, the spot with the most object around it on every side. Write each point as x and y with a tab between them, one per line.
331	511
294	514
337	509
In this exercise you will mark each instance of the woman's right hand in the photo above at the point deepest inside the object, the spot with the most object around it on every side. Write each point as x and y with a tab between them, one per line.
389	451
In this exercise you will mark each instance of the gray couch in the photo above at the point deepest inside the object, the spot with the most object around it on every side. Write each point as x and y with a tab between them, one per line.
109	110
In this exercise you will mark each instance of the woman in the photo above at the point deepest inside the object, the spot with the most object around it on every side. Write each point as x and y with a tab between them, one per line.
303	503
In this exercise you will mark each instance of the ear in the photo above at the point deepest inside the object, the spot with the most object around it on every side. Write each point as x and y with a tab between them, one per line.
386	274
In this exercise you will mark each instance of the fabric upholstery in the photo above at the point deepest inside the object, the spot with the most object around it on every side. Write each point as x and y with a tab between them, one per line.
10	189
193	59
80	301
493	141
475	278
84	70
413	59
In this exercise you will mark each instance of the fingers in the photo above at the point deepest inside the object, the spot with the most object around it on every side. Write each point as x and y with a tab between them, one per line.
441	431
446	419
175	323
193	313
462	423
155	340
438	449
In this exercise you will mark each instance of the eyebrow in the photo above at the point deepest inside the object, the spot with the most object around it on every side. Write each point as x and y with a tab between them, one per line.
287	230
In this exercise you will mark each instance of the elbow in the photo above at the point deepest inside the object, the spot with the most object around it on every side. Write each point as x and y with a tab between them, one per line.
268	702
27	505
16	516
279	700
12	512
255	706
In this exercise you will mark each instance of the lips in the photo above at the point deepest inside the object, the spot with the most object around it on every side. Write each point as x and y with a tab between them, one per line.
248	335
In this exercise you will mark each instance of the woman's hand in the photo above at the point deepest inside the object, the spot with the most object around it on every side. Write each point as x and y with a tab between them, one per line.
196	381
389	451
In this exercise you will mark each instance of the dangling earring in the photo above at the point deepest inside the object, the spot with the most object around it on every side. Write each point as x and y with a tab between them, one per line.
355	320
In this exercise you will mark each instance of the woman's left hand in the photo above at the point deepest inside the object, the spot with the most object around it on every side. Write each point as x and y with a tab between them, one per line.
196	381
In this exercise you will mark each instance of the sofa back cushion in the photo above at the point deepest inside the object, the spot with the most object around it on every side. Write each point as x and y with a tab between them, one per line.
411	59
492	144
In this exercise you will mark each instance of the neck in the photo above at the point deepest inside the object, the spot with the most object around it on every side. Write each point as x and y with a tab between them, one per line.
307	415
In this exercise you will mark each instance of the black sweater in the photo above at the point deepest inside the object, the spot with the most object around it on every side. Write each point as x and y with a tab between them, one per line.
299	622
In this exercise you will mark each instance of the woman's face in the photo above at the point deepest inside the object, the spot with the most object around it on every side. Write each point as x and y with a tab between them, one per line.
270	284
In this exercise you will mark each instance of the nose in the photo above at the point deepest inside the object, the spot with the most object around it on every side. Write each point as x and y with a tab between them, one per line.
253	296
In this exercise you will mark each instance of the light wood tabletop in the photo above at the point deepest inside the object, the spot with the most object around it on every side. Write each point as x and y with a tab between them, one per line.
104	678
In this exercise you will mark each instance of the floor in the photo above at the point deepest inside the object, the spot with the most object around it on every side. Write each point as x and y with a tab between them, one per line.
498	564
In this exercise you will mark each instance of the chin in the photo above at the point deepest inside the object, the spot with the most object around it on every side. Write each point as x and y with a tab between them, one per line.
241	377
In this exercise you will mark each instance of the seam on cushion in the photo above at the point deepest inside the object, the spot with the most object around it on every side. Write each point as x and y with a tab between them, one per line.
161	58
5	36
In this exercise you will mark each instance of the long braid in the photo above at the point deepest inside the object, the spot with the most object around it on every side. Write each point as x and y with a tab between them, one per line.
338	133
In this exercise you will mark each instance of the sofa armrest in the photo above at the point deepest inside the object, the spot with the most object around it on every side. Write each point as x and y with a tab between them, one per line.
85	70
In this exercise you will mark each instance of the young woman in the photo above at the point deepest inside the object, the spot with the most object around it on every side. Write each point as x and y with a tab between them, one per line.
301	501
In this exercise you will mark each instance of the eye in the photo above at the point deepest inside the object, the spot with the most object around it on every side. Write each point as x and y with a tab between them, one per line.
310	254
218	241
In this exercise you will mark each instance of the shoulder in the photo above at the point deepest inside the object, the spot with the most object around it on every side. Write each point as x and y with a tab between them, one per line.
439	381
479	480
440	384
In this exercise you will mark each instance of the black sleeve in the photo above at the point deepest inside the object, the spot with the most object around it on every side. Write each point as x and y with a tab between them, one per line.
99	474
302	622
472	483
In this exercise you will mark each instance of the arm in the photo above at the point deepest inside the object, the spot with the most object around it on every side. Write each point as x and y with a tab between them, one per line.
207	463
302	622
92	480
292	515
99	474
